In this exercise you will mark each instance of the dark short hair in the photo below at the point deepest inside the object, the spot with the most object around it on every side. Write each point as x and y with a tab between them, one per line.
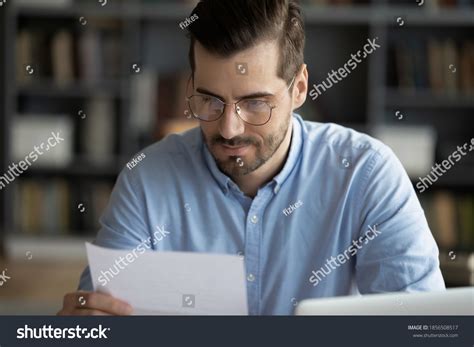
225	27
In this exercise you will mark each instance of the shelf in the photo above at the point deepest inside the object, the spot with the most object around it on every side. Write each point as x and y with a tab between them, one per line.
418	16
119	11
315	15
78	168
171	11
337	15
109	11
74	90
428	99
58	247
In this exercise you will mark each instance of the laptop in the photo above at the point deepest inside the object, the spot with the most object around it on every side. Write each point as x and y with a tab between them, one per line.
452	302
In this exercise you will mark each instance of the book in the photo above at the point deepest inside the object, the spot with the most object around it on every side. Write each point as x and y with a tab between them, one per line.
111	55
50	206
44	3
450	62
466	63
405	68
445	210
467	66
90	56
435	63
33	56
24	54
62	57
449	69
143	102
98	134
465	207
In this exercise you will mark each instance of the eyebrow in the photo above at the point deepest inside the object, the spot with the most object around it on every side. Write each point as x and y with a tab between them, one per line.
248	96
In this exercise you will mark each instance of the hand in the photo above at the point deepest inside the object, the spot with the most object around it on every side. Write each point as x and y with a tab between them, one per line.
93	304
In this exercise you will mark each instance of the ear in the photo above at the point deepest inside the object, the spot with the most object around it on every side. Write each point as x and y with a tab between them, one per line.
300	89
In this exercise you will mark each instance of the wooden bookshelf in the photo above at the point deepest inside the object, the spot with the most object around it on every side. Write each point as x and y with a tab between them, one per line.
148	29
3	129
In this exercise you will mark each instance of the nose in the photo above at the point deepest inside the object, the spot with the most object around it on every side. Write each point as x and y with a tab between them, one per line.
230	124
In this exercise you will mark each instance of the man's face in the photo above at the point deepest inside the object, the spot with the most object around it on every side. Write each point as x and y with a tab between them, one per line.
230	138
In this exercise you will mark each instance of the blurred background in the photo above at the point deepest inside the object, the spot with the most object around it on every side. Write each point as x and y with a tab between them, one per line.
111	75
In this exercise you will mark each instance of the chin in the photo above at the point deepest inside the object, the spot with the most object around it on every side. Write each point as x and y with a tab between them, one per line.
231	167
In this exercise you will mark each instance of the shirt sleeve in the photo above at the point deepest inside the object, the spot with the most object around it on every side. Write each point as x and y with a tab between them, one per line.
402	254
122	223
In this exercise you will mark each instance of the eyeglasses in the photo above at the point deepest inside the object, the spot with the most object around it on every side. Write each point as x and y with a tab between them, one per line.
252	111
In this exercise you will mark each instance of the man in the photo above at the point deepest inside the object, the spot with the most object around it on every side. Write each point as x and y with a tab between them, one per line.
297	199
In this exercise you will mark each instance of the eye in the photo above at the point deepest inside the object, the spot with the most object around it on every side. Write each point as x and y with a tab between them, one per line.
254	105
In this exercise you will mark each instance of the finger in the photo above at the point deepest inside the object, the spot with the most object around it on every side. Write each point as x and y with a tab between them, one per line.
102	302
89	312
82	312
71	299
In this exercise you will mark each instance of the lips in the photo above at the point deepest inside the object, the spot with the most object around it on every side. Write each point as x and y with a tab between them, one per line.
234	150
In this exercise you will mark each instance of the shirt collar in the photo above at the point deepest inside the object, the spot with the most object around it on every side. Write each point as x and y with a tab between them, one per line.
222	179
295	149
293	154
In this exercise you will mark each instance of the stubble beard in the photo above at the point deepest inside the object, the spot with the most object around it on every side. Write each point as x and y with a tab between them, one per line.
263	153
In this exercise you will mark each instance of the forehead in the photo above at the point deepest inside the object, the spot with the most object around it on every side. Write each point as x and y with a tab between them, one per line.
259	62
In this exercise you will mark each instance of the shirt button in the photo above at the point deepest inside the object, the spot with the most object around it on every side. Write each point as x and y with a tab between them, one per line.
250	278
254	219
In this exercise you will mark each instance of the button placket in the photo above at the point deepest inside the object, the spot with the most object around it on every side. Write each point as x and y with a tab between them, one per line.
253	244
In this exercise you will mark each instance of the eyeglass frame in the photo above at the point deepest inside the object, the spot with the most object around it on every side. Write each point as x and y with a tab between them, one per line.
188	99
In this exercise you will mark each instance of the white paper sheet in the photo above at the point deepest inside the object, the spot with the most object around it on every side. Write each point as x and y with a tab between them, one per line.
162	283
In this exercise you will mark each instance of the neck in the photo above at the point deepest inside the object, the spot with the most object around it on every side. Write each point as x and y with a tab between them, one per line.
249	184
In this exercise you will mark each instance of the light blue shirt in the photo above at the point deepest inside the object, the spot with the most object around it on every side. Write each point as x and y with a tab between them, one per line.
302	236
